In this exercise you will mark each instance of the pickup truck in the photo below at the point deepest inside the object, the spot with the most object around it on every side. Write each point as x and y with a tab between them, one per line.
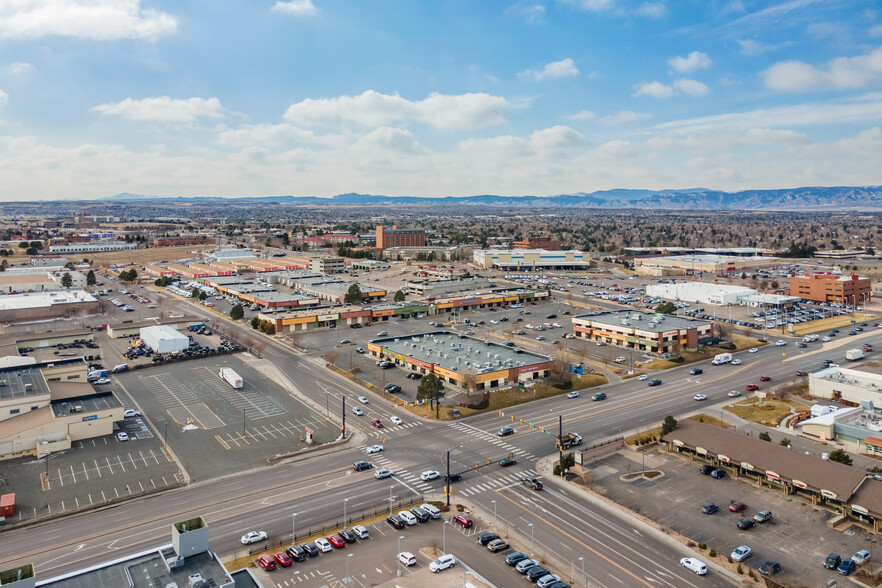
532	483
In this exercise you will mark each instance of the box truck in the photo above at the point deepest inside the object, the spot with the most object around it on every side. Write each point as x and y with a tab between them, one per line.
722	358
231	377
854	354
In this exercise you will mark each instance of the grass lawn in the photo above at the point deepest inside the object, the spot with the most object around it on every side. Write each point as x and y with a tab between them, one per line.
511	397
704	418
771	412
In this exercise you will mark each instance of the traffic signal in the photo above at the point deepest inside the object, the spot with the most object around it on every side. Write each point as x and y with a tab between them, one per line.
511	454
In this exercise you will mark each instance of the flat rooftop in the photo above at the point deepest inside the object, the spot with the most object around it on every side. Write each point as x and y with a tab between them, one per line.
145	570
42	299
642	321
708	258
21	382
89	404
460	353
281	297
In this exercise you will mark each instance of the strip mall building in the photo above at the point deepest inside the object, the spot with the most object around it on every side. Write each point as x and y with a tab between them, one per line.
657	333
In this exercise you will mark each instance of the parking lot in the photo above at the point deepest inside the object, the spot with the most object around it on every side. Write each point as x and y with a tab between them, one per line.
373	561
797	535
93	472
215	429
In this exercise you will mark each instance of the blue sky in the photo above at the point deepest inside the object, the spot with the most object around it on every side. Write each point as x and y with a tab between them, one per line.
321	97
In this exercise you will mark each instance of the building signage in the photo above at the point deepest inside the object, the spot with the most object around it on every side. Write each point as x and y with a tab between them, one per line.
799	484
723	458
327	317
701	450
828	494
678	443
773	475
859	509
746	465
420	363
91	417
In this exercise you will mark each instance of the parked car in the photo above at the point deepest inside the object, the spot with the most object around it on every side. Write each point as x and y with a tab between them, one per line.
536	572
515	558
525	564
718	474
770	568
497	545
266	562
337	541
485	538
832	561
324	545
745	524
861	557
846	567
463	519
706	469
709	508
396	521
283	559
442	563
407	558
736	506
741	553
310	549
763	516
296	552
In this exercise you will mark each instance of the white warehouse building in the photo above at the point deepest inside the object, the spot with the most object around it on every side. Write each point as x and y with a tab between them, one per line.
853	386
164	339
700	292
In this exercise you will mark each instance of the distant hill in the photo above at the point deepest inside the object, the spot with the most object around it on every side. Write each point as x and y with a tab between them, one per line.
835	198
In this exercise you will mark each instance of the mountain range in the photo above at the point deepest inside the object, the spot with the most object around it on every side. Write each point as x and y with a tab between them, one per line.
810	198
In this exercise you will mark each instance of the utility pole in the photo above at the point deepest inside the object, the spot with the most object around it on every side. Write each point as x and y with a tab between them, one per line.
560	438
243	424
343	429
448	478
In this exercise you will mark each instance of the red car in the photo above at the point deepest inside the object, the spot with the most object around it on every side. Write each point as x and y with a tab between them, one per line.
377	423
479	323
336	541
266	562
463	519
737	506
283	559
765	379
752	387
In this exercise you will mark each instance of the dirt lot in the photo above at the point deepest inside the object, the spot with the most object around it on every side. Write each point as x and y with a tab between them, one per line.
142	256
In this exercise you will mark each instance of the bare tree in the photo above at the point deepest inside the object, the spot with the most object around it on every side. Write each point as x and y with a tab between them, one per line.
248	342
330	357
259	346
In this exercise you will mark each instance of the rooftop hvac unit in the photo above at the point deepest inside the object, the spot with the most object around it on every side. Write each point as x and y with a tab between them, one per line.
395	340
636	316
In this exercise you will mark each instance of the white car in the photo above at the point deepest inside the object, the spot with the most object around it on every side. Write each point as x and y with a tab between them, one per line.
753	350
429	475
694	565
383	473
363	399
324	545
734	393
253	537
741	553
642	377
407	558
826	339
374	449
395	420
442	563
122	436
780	343
357	411
862	556
573	394
102	381
700	396
131	413
736	362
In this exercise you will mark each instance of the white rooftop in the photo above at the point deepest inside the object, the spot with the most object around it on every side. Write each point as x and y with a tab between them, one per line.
41	299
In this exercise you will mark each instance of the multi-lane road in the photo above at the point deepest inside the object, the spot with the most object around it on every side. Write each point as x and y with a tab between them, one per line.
616	550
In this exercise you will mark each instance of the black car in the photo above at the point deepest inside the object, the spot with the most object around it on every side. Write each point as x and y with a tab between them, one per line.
362	465
800	373
770	568
745	524
505	431
655	382
551	316
718	474
598	396
296	552
348	536
310	549
709	508
395	521
453	478
414	376
696	371
485	538
536	572
832	561
421	515
513	559
706	469
507	461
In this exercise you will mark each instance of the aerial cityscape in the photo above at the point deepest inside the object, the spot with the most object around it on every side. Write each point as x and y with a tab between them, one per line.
334	294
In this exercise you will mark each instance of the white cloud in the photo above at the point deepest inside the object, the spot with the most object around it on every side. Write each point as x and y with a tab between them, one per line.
624	116
654	89
531	12
296	7
876	31
556	140
389	140
268	135
694	61
691	87
754	47
593	5
858	110
19	67
372	109
92	19
651	9
4	98
163	109
583	115
556	69
842	73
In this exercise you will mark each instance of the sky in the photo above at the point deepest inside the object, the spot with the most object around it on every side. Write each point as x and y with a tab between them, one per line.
238	98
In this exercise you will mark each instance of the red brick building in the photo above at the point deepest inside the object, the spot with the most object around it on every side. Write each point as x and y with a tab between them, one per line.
398	237
831	288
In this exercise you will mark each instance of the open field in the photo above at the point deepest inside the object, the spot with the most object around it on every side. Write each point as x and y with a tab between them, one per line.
836	322
142	256
771	412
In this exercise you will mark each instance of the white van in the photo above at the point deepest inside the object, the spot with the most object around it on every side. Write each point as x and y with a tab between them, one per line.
433	512
694	565
407	517
442	563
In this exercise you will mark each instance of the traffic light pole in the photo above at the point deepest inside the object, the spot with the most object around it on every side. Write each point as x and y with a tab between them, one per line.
448	478
343	429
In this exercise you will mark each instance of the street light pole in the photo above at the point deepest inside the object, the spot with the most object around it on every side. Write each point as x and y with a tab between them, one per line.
532	542
327	404
345	500
444	537
346	579
400	537
495	519
582	559
293	527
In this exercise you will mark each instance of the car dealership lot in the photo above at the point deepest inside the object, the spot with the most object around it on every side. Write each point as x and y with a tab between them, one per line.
797	535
